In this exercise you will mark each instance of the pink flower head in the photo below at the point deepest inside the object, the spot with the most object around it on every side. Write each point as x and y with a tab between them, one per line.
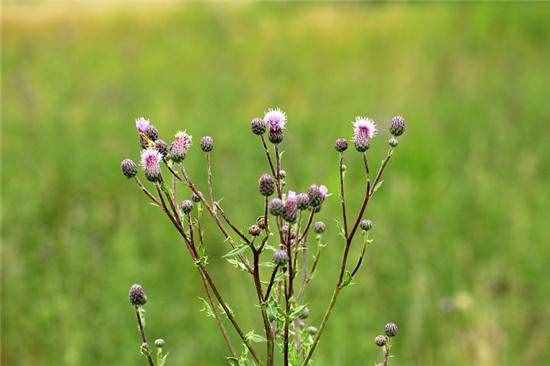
180	146
364	129
290	210
275	119
142	124
150	162
317	195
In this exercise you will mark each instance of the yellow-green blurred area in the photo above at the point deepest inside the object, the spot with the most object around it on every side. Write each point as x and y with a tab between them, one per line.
461	252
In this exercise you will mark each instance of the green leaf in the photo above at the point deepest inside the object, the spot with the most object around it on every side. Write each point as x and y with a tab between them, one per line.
236	251
238	264
207	309
251	336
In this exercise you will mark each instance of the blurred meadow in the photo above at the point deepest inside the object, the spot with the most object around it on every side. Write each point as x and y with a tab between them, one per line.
461	255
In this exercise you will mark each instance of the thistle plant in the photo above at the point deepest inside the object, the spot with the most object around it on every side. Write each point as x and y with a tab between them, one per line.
279	252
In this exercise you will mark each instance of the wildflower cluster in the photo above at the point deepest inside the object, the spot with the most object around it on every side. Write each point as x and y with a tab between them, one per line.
279	251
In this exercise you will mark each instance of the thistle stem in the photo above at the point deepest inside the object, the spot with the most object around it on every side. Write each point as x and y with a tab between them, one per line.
142	335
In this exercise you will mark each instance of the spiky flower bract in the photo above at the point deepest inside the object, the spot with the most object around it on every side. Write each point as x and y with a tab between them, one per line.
186	206
380	340
128	167
317	195
276	207
391	329
290	211
137	295
303	200
280	257
397	126
319	227
207	143
366	225
161	147
258	126
180	146
150	162
364	129
266	185
341	144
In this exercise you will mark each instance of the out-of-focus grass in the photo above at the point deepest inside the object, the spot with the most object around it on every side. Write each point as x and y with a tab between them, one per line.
462	220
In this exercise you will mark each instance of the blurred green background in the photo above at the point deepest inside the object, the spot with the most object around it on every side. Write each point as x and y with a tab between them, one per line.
461	254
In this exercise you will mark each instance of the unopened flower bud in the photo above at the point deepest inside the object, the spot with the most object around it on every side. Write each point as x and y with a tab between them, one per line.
207	144
152	133
276	207
261	222
290	211
258	126
186	206
128	167
341	144
303	200
397	126
254	230
391	329
319	227
161	147
280	257
366	225
276	137
362	146
317	195
159	342
393	142
381	340
137	295
196	197
266	185
282	174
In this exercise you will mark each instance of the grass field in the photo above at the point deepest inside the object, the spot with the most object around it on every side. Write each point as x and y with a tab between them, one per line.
462	236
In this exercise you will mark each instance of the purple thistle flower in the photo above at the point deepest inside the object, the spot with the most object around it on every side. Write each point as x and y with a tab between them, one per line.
317	195
142	124
303	200
150	162
364	129
290	211
180	146
275	120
